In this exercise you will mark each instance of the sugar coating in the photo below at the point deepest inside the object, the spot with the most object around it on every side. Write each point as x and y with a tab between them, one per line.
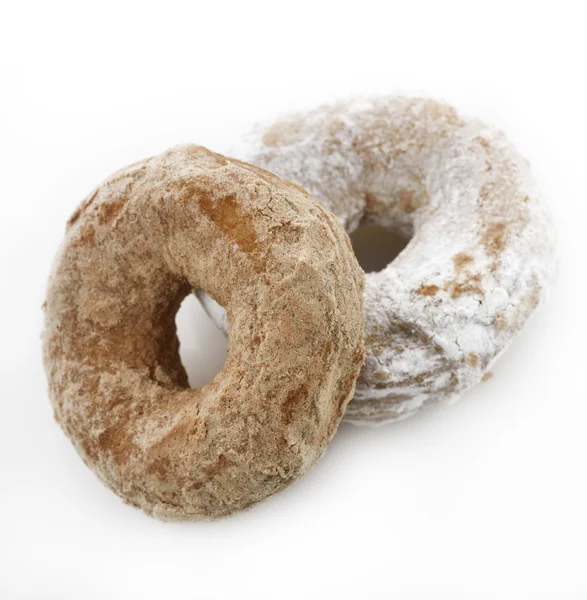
283	267
481	251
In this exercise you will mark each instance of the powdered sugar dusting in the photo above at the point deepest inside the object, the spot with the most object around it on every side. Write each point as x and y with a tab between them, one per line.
481	253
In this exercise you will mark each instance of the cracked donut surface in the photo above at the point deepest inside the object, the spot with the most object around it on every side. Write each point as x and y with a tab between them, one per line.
283	268
481	251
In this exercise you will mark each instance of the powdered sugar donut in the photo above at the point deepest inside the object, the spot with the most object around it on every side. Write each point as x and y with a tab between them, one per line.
283	267
480	255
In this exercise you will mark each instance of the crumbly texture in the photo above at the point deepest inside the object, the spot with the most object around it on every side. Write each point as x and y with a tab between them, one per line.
283	268
481	251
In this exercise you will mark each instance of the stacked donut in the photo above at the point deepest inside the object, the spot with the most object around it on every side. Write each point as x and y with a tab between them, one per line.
312	338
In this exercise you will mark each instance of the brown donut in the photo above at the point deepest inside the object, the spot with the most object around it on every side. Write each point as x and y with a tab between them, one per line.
284	270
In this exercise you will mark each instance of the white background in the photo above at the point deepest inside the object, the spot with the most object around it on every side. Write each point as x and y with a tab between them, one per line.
483	499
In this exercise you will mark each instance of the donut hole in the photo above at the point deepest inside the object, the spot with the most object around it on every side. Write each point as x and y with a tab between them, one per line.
202	346
375	246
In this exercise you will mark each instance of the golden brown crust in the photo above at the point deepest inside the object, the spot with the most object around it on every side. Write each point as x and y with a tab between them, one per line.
278	262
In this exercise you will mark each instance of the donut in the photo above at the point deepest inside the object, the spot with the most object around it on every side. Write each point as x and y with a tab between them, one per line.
480	254
284	269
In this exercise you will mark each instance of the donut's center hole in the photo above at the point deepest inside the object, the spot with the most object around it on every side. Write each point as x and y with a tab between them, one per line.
202	346
375	247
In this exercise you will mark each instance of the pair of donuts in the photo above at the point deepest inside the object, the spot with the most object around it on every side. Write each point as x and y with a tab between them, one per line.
251	239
